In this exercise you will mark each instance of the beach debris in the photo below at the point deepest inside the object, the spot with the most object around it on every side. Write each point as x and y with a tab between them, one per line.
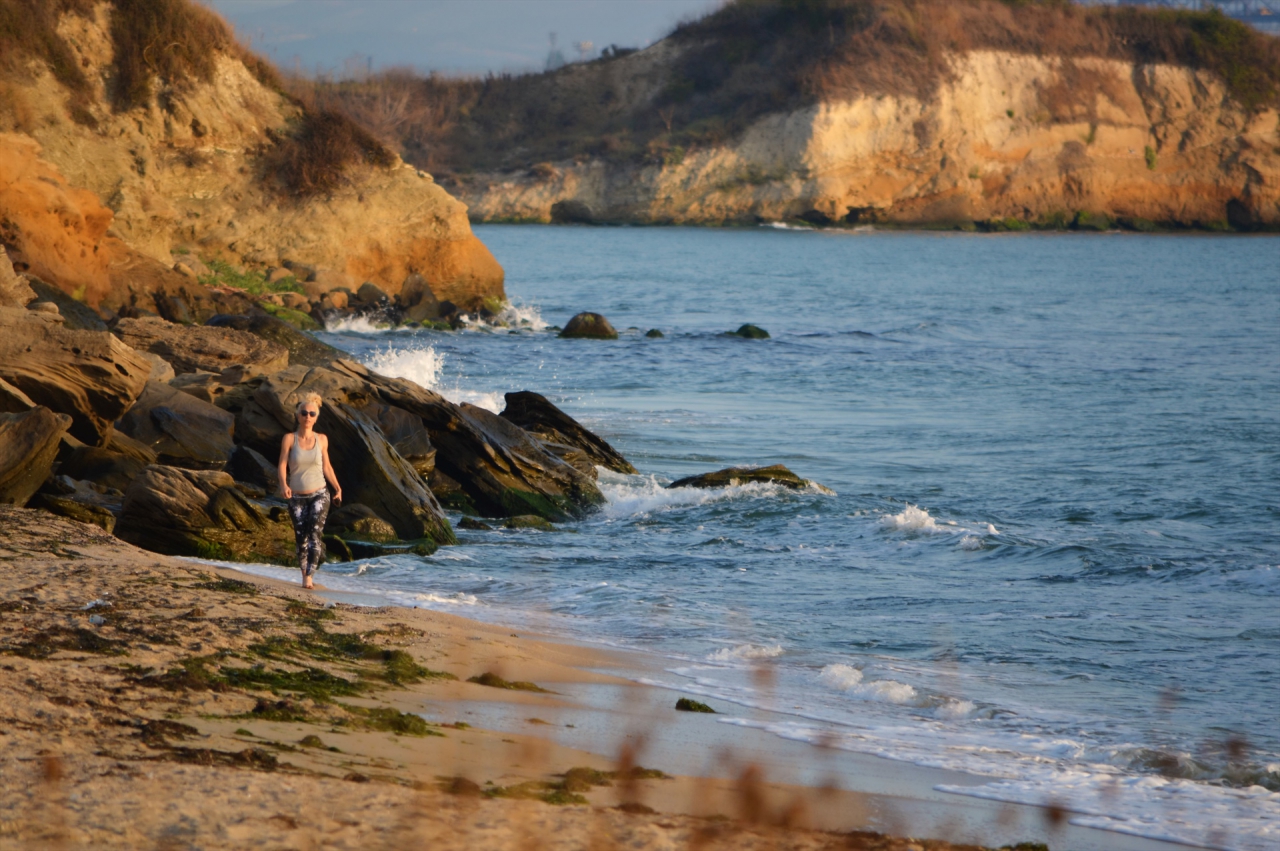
534	413
684	704
749	332
492	680
591	326
735	476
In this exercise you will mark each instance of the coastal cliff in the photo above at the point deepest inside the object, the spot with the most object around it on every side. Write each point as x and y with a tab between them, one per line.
110	174
1001	115
1007	137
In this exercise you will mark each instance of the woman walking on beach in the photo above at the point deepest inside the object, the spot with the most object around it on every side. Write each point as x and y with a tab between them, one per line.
304	467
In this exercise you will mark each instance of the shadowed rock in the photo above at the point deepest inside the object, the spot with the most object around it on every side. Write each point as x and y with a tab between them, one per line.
201	513
114	465
90	375
15	289
502	470
28	446
76	315
251	467
733	476
589	326
13	400
360	522
535	414
181	429
302	347
749	332
193	348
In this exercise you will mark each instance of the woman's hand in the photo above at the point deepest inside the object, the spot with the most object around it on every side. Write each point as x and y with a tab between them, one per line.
337	497
287	491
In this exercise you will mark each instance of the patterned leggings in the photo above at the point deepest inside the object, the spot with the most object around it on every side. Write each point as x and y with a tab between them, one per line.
309	513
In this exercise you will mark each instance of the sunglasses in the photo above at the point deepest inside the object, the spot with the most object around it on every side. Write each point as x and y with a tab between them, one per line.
309	414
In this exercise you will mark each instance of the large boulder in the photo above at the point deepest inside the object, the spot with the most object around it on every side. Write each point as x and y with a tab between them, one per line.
589	326
13	400
356	521
253	468
202	513
182	430
407	434
76	315
535	414
418	300
202	348
302	347
90	375
28	446
776	474
113	466
503	470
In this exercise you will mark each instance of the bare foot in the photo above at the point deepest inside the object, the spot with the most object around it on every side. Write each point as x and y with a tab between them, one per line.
307	584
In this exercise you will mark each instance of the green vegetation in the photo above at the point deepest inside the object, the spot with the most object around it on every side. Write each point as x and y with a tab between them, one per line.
254	283
494	681
1149	154
230	586
314	155
390	720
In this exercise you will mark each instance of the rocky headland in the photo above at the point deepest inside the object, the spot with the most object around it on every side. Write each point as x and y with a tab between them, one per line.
914	113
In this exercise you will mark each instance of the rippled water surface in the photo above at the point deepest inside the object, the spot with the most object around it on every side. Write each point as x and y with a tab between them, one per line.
1052	557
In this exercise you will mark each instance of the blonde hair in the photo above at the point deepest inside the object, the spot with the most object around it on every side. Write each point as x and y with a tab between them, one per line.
309	398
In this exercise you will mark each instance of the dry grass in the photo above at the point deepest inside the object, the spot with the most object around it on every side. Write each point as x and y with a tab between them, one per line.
753	57
314	157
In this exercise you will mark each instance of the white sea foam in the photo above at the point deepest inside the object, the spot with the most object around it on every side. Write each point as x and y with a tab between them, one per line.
952	709
424	366
632	496
363	325
746	653
849	680
916	519
970	542
784	226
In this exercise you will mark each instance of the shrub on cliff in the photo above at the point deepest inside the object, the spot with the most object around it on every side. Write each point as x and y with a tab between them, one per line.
313	157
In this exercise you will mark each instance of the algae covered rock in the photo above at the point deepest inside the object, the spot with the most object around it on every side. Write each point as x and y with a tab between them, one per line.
684	704
29	444
749	332
356	521
591	326
529	521
534	413
733	476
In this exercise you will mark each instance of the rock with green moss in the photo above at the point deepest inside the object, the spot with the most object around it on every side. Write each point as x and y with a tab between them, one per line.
733	476
684	704
529	521
749	332
591	326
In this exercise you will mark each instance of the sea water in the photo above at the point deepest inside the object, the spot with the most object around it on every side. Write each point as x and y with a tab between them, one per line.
1051	558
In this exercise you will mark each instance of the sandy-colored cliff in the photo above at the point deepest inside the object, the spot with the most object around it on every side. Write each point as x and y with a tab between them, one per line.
1004	136
96	197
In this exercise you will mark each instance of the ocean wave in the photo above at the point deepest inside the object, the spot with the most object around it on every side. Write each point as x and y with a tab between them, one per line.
631	496
364	325
523	317
916	519
849	680
424	366
746	653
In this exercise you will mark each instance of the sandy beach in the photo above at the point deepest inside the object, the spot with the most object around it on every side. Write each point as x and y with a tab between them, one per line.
157	702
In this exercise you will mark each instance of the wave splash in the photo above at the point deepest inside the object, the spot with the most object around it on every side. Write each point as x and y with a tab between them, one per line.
746	653
424	366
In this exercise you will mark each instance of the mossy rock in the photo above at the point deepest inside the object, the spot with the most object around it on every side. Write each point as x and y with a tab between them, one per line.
1091	221
529	521
296	318
749	332
474	523
590	326
733	476
492	680
654	334
684	704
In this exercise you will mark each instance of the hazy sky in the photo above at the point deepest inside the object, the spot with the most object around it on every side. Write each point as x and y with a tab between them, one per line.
457	36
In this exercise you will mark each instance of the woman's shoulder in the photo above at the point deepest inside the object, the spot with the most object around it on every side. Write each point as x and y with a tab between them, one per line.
287	440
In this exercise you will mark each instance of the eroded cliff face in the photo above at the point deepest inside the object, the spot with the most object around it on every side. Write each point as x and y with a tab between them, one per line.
1006	136
184	171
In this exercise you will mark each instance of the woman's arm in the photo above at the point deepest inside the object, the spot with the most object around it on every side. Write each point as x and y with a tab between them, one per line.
329	475
282	468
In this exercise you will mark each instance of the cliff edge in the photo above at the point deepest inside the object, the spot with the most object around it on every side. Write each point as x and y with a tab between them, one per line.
119	157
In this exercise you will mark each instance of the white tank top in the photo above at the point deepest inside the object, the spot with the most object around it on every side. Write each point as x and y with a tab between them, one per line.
306	468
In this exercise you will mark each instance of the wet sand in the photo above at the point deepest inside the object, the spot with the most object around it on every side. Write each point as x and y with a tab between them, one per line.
148	701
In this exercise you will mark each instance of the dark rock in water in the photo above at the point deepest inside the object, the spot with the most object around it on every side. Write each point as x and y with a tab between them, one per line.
360	522
732	476
182	430
654	334
528	521
535	414
448	492
589	326
571	212
418	299
749	332
475	524
372	294
193	348
303	348
574	457
249	466
28	446
76	315
201	513
501	469
89	375
684	704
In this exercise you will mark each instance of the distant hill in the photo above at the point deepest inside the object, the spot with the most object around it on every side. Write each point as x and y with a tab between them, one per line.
1008	114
